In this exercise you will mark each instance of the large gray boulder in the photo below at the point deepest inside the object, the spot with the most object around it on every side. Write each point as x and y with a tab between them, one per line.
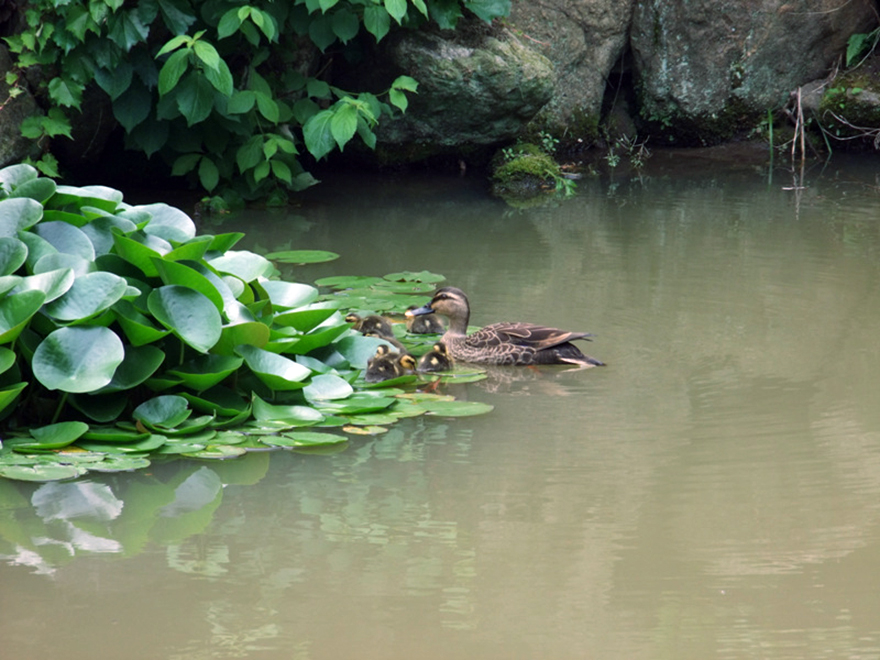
706	63
475	88
584	39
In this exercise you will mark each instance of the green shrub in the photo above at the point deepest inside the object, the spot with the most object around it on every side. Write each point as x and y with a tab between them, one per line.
213	86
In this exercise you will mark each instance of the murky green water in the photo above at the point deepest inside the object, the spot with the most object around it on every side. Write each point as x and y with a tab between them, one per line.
713	493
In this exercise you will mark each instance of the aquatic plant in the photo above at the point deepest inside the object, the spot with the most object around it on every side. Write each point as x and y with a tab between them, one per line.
125	335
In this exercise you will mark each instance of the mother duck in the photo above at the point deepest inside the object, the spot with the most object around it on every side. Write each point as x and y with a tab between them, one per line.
502	343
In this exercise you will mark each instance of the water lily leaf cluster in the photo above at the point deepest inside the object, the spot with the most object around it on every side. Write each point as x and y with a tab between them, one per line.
219	88
125	335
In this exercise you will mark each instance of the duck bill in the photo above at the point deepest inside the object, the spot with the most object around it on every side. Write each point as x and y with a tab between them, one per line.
420	311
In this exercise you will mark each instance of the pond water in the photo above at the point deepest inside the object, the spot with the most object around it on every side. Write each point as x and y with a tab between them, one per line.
714	492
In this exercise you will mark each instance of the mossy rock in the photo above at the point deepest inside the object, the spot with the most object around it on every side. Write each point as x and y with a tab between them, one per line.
530	172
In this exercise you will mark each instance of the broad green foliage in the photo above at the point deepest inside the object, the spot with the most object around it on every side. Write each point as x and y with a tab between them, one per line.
215	86
123	331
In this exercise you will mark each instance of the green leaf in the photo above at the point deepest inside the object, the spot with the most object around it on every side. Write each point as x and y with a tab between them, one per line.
488	10
185	163
53	283
209	175
37	189
188	314
245	265
321	32
267	107
302	257
16	311
345	25
56	436
90	295
405	83
66	92
132	106
343	124
240	102
318	134
396	8
326	4
207	54
168	222
115	81
77	359
229	23
294	415
17	214
195	98
173	69
220	78
276	371
139	364
398	99
66	238
206	371
44	472
303	439
377	21
166	411
326	387
13	254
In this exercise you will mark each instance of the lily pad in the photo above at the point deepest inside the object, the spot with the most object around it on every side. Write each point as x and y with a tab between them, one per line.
277	371
77	359
13	254
327	387
188	314
40	472
302	256
120	463
15	312
457	408
303	439
218	452
167	410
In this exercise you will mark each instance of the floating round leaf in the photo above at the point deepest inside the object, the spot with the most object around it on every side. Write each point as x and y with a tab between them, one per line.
302	256
77	359
37	189
303	439
340	282
205	371
137	328
457	408
277	371
120	463
245	265
327	387
13	254
89	296
188	314
218	452
289	415
306	318
41	472
66	238
15	312
173	272
58	435
18	213
167	411
288	294
139	364
54	283
168	222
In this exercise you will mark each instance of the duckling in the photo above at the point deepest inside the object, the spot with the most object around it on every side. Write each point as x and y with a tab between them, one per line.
502	343
423	325
386	364
373	323
437	359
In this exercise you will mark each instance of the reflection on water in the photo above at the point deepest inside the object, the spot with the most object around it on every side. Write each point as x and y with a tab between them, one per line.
712	493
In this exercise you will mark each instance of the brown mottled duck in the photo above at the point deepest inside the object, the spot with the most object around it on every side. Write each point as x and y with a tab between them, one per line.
502	343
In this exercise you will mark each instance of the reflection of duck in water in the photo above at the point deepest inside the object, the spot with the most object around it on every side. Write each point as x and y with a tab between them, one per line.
437	359
386	364
423	324
502	343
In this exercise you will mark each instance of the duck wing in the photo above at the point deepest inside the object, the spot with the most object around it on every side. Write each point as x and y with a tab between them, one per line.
529	335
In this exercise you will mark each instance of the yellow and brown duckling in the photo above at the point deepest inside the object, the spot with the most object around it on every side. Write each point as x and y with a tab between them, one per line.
370	324
423	325
502	343
437	359
387	364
